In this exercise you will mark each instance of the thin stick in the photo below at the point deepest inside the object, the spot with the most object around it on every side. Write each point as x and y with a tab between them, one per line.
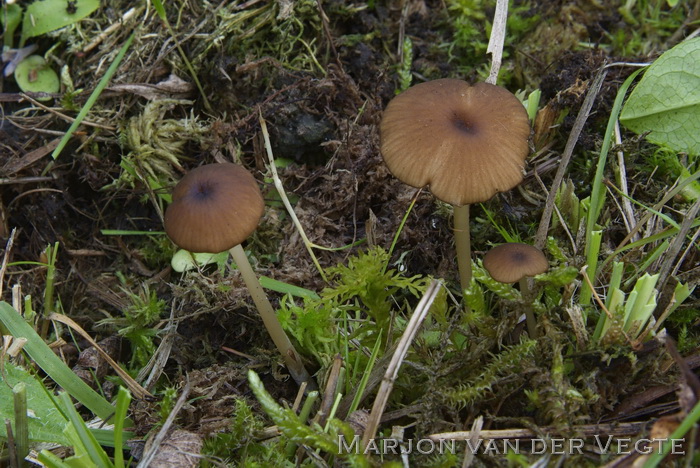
675	247
392	370
291	358
621	174
167	425
498	36
589	430
285	200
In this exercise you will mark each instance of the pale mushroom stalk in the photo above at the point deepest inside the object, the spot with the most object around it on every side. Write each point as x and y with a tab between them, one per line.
527	299
215	208
463	245
269	318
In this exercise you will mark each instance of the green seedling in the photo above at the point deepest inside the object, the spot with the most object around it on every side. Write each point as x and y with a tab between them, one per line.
532	104
358	305
627	316
136	325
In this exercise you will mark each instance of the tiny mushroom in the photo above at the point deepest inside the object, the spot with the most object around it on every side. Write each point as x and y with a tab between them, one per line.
215	208
466	142
508	263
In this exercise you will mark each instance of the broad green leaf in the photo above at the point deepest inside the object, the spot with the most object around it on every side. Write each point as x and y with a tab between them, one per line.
666	102
48	15
46	422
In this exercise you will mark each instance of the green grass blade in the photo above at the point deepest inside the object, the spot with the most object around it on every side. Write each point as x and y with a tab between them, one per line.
52	461
123	400
592	251
598	189
284	288
160	9
52	364
365	376
685	426
93	98
96	453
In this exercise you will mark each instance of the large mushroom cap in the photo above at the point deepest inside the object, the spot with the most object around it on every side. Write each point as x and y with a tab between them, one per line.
512	262
466	142
215	207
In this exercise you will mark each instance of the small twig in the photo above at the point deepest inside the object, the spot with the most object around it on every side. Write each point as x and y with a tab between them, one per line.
627	211
64	116
399	355
474	439
285	200
160	437
559	215
152	371
330	392
135	388
647	217
8	250
103	35
26	180
498	37
675	247
588	430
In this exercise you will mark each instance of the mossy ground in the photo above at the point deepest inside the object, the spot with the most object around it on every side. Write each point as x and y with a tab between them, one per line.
320	75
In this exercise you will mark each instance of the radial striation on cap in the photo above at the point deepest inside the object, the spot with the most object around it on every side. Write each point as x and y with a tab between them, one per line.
215	207
512	262
466	142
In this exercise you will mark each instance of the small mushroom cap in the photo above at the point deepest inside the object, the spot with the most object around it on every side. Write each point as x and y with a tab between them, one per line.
512	262
467	142
215	207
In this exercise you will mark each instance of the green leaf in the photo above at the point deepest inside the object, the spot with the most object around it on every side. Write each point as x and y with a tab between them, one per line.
46	422
34	75
48	15
666	102
10	17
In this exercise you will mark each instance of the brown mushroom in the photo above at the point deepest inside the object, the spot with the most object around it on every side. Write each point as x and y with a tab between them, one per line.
508	263
466	142
215	208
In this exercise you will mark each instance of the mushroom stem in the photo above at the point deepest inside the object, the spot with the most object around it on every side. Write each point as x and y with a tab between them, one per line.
273	326
527	300
463	245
